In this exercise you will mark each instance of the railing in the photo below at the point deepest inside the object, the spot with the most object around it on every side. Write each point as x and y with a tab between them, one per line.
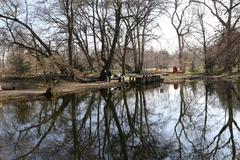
145	79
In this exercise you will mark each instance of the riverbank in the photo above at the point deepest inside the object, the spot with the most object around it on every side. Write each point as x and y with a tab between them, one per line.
59	89
34	88
186	77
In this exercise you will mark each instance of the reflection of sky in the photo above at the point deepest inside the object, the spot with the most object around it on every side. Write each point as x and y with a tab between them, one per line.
163	113
166	107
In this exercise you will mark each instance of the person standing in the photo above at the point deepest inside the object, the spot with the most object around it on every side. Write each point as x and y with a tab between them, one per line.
109	74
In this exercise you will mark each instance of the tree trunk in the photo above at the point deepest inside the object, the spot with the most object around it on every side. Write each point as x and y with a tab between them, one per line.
70	23
108	61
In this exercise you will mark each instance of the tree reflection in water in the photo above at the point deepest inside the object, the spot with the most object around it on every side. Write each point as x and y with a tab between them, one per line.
228	89
193	121
222	145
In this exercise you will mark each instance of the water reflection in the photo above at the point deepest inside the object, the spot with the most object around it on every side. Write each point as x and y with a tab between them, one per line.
197	120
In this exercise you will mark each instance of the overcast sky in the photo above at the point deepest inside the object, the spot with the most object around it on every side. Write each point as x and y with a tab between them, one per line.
168	39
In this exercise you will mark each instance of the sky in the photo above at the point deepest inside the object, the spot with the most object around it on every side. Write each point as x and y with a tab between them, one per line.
168	37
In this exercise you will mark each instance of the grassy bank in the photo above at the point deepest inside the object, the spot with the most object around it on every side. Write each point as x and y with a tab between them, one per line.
185	77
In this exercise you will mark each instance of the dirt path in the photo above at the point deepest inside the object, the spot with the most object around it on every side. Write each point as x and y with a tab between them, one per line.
59	90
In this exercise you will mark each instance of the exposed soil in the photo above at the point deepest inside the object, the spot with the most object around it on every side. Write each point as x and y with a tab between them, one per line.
32	88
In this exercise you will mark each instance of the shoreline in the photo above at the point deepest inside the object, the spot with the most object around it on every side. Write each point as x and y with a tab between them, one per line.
179	78
9	96
63	88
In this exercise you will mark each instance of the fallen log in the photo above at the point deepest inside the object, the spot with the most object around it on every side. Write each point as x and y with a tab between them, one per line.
8	88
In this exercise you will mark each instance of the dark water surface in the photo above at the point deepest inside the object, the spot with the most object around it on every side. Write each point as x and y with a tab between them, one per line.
195	120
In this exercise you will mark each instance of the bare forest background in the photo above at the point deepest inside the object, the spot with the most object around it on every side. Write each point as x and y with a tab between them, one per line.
70	37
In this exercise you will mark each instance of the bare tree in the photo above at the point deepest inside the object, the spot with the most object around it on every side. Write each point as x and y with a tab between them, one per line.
202	36
85	29
182	25
139	22
96	28
226	12
109	28
3	50
68	7
40	42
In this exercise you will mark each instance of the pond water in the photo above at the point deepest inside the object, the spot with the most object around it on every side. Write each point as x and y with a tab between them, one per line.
196	120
